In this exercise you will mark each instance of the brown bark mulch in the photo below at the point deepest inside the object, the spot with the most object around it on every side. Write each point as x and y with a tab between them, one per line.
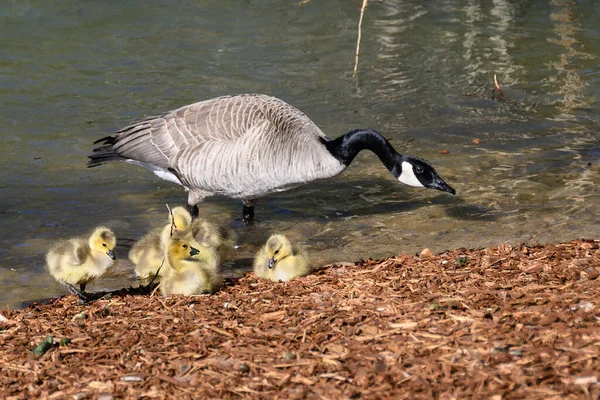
506	322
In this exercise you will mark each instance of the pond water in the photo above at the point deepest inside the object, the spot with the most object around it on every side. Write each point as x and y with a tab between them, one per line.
74	71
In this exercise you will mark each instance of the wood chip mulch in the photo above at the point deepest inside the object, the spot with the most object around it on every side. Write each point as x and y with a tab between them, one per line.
506	322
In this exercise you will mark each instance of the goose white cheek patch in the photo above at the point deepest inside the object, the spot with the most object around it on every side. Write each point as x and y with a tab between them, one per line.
408	176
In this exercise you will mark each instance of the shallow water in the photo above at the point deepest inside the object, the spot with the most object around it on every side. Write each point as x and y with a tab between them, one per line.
73	71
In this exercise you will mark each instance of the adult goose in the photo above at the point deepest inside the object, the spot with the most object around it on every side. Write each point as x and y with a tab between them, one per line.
248	146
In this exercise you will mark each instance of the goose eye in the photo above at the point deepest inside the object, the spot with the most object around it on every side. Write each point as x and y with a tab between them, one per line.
419	169
276	251
185	246
104	244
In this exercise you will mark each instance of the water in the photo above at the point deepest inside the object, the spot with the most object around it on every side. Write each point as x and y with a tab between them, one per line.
74	71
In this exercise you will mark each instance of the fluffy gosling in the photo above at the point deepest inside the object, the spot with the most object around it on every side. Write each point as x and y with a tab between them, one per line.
79	260
148	254
213	235
278	260
190	270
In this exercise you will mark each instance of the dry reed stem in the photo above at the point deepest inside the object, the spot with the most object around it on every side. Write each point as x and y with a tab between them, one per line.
362	11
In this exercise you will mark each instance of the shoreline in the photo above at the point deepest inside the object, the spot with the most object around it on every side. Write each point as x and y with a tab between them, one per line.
507	321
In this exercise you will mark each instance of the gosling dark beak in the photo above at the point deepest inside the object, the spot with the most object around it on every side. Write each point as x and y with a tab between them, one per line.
439	184
194	251
271	262
111	254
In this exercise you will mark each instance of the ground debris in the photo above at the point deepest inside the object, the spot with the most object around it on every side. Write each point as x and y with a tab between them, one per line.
505	322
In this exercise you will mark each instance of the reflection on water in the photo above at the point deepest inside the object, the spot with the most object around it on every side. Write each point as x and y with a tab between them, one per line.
568	78
73	71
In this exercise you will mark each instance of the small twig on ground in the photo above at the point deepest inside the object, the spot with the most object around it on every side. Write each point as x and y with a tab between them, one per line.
156	274
528	239
362	11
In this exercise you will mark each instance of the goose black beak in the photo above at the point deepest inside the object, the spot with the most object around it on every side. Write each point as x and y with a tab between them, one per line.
194	251
111	254
439	184
272	262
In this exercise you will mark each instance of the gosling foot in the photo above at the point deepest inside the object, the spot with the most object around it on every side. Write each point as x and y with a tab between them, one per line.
83	297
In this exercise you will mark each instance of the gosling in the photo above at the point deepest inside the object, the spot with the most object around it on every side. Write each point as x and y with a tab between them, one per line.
278	260
190	270
213	235
80	260
148	254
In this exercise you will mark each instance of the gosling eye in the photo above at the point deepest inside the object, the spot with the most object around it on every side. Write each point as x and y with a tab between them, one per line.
104	244
276	251
185	246
418	169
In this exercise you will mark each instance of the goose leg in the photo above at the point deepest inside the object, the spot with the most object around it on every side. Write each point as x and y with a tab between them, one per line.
248	215
248	211
193	210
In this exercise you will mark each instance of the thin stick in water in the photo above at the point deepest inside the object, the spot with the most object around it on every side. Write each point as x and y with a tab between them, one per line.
362	11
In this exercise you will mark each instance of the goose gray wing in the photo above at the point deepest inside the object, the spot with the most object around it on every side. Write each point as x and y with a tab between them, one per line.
239	146
158	140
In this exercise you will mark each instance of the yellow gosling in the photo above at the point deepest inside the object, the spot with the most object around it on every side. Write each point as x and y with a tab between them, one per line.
79	260
278	260
190	270
148	254
205	232
215	236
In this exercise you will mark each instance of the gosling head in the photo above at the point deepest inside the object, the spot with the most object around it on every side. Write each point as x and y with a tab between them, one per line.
415	171
278	247
181	250
181	217
103	240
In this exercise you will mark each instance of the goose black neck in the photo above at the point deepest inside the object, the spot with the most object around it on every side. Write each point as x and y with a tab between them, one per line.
347	146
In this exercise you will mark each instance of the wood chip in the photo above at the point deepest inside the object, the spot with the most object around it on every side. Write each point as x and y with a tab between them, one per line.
512	322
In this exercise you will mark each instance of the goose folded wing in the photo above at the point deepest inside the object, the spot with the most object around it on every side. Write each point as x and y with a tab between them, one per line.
158	140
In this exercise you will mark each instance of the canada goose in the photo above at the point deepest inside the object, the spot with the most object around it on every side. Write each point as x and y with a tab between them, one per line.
148	254
79	260
190	270
278	260
248	146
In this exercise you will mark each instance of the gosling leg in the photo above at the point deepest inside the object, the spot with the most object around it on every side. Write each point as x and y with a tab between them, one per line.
83	298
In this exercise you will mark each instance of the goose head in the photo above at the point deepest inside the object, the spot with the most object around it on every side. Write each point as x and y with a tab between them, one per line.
278	247
103	240
416	172
180	251
410	170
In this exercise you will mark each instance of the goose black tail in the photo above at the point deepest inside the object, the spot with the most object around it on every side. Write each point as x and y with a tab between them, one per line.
103	154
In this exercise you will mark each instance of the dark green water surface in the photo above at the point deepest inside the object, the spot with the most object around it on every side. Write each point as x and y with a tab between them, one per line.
74	71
